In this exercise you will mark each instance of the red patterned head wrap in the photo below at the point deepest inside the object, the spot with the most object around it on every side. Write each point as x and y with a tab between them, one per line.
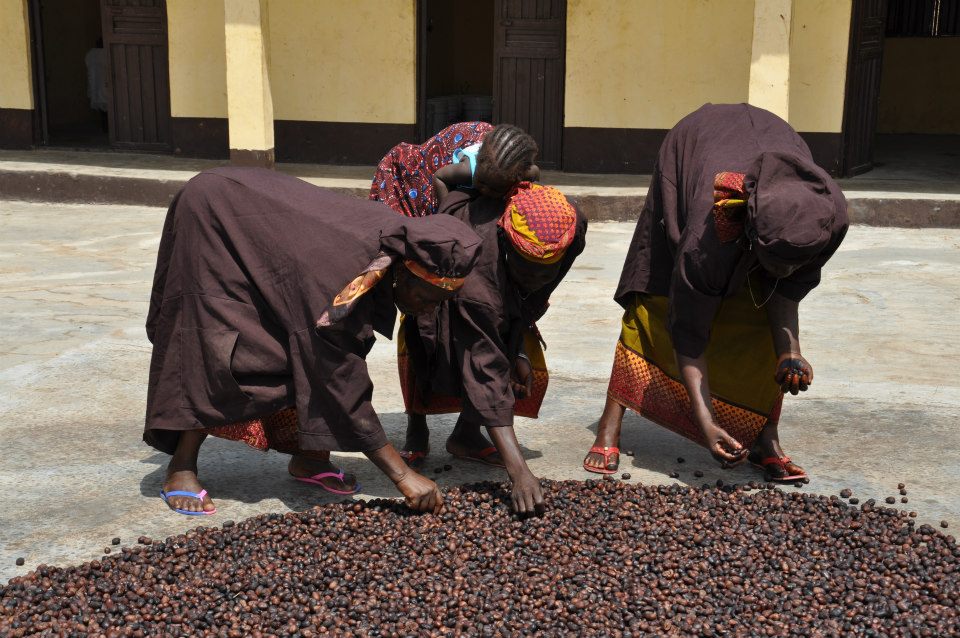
539	222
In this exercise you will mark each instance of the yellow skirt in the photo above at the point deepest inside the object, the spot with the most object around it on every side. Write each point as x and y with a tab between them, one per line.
418	402
740	361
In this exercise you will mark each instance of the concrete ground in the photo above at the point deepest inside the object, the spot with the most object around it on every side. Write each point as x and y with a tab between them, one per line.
881	332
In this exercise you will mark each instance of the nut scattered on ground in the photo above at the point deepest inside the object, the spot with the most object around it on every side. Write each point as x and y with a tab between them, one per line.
608	558
115	540
698	473
20	562
625	476
846	492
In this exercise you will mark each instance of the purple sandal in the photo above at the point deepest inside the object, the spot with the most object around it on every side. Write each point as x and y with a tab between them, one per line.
197	495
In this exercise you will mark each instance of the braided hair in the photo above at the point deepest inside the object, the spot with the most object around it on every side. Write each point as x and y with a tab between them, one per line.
507	153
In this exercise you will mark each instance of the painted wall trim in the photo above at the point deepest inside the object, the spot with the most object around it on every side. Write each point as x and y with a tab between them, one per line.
16	128
338	142
634	151
205	137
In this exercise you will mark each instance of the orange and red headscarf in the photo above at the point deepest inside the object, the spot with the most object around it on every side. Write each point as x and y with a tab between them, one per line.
539	222
375	271
729	205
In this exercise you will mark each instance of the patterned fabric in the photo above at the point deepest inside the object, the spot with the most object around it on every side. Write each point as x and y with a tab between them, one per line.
404	177
362	284
447	283
540	222
740	361
275	432
415	401
730	206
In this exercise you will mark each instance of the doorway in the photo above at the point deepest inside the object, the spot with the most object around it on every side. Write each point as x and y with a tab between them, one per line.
101	74
902	105
456	63
69	73
494	61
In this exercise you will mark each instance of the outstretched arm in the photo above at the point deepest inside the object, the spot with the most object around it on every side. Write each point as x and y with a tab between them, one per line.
794	373
693	372
527	494
419	492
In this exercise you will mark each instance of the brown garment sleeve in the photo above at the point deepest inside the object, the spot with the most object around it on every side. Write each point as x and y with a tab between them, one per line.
484	366
334	390
703	270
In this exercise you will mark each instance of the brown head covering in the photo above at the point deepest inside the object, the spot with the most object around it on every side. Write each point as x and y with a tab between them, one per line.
791	211
438	250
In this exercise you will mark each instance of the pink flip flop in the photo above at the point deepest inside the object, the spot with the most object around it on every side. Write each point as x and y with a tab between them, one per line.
316	480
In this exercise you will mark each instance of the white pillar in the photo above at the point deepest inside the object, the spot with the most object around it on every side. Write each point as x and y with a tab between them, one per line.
770	57
249	100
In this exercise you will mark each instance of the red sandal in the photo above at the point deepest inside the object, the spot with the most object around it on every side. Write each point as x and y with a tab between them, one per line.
606	452
480	456
414	459
778	468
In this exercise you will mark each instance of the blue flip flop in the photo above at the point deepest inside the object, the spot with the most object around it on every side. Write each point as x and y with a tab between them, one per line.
197	495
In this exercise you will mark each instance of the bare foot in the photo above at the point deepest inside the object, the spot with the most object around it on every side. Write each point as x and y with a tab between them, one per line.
186	480
608	435
310	464
417	444
468	442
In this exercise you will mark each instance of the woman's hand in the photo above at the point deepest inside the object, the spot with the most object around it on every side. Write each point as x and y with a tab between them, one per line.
420	493
722	446
794	373
527	495
521	379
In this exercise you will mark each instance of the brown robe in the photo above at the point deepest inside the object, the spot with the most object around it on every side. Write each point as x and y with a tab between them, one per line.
249	260
468	349
795	212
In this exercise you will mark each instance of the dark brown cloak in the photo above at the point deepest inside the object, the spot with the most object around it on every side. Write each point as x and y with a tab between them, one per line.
249	260
468	349
796	213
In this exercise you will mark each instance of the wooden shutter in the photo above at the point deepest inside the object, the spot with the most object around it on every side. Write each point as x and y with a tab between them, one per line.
862	101
135	37
529	53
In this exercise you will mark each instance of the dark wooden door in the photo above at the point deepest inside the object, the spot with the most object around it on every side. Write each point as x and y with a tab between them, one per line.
862	100
135	37
528	73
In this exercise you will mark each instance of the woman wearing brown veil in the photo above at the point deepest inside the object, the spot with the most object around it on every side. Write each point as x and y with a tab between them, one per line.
737	224
265	300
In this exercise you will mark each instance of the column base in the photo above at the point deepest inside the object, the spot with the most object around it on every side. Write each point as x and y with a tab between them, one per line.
260	159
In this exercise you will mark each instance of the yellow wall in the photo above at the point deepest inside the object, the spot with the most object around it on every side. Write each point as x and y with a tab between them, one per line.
920	86
343	61
16	87
818	64
198	64
647	63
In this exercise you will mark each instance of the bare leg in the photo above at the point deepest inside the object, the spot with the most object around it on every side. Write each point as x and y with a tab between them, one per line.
305	464
467	440
608	435
182	473
417	443
768	443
